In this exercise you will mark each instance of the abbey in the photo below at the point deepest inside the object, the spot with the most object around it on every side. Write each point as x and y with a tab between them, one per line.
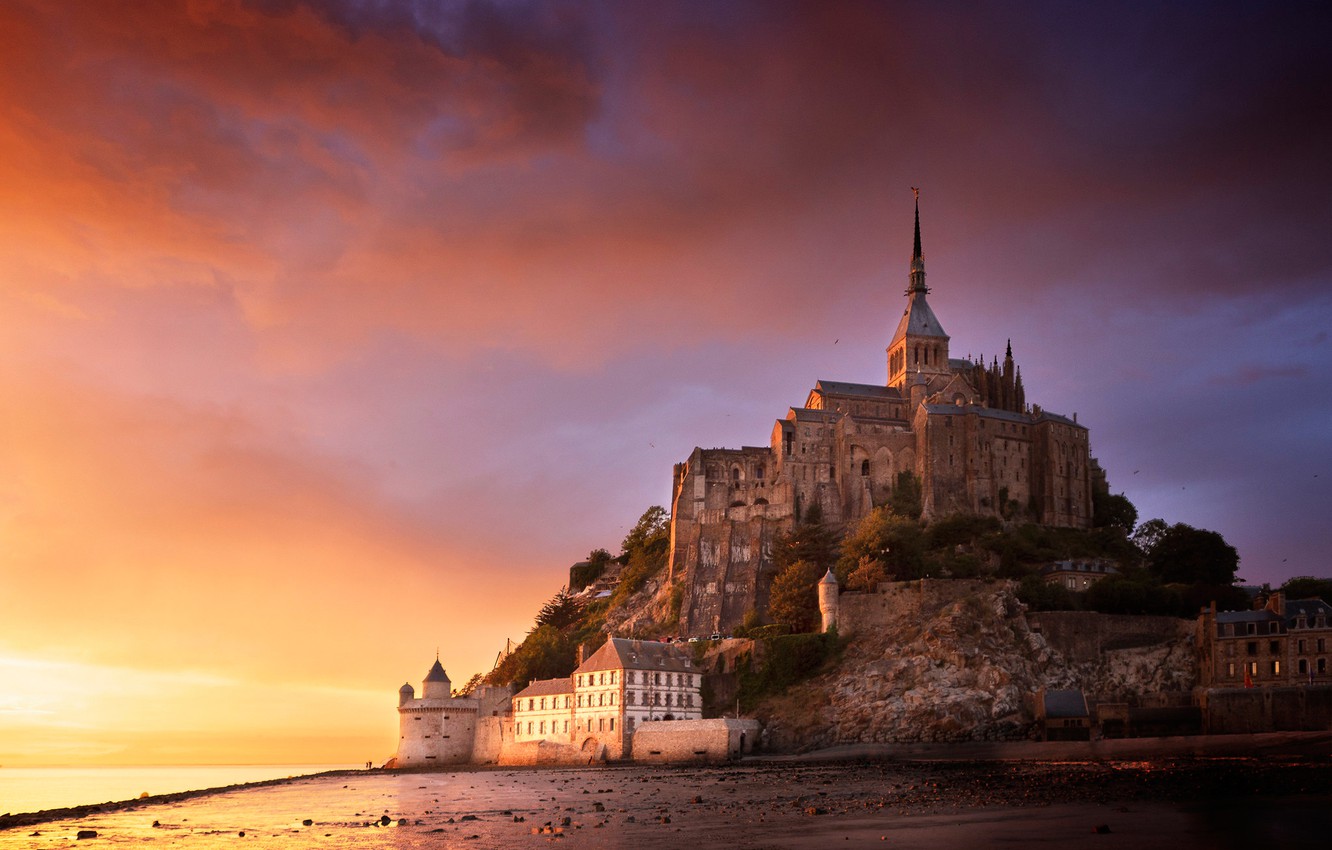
963	429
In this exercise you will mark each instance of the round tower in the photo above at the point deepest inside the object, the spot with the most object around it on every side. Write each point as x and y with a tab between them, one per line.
436	684
406	694
828	600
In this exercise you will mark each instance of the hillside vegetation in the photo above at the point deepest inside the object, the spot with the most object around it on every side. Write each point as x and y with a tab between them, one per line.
1160	569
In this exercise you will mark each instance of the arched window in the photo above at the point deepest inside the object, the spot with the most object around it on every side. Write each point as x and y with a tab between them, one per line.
735	474
758	473
864	468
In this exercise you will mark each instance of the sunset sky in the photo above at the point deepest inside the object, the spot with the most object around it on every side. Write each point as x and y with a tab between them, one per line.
332	333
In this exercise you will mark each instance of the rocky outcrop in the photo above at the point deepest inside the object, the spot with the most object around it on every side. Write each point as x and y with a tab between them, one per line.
954	661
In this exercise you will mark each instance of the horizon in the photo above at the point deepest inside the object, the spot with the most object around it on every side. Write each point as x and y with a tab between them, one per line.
332	335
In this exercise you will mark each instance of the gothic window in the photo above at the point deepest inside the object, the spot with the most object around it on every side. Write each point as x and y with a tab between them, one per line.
758	472
735	474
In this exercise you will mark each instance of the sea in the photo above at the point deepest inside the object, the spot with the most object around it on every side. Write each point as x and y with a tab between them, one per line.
34	789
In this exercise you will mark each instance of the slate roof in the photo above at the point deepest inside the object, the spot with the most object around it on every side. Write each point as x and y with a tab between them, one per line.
1310	608
546	687
1065	704
625	654
846	388
918	319
437	673
812	414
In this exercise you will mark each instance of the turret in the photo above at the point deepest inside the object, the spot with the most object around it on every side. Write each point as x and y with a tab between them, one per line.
828	600
436	684
406	694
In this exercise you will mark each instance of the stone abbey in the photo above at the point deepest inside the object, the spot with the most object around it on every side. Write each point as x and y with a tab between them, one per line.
963	429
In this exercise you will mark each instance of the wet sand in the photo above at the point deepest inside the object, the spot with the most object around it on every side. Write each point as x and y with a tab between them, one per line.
1173	804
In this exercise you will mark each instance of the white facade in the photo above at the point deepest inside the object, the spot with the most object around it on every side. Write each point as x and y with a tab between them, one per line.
620	686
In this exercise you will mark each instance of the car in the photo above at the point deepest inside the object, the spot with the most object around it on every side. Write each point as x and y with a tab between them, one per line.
695	639
715	636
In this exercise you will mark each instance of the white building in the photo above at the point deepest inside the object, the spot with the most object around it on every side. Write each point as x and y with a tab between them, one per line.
439	729
622	684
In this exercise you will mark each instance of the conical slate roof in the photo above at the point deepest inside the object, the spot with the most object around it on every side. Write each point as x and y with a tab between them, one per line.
437	673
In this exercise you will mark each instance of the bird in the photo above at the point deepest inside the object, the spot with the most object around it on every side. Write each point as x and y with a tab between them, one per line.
839	339
1136	471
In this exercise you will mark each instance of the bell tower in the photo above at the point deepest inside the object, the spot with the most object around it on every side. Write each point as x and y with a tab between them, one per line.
919	345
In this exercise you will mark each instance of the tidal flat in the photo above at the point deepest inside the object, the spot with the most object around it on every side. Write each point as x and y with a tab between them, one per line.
1176	803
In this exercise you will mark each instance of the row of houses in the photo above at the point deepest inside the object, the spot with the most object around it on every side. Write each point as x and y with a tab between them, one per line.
630	699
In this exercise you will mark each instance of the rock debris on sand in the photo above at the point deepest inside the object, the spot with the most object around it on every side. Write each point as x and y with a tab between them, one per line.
762	805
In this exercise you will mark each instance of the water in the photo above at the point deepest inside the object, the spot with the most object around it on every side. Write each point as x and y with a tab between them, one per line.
32	789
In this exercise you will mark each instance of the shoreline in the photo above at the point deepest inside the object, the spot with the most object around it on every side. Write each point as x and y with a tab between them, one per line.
1285	746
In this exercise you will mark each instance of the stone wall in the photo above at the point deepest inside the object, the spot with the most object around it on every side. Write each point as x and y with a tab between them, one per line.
1086	635
1290	709
719	739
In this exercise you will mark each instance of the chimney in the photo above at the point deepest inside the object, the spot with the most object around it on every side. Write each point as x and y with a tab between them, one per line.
1276	603
582	653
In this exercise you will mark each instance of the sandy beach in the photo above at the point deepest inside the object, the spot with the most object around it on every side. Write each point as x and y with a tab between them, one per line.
1174	803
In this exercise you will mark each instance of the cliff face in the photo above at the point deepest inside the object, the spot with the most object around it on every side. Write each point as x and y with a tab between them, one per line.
958	661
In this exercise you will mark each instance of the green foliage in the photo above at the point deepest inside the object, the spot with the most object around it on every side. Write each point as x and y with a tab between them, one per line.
1040	595
868	574
586	572
1308	587
561	610
1187	555
676	602
961	530
787	660
1146	535
1111	510
646	551
470	688
794	599
546	653
888	539
811	541
652	529
906	498
1133	595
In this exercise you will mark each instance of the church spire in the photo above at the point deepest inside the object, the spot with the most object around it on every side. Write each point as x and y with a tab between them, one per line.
917	276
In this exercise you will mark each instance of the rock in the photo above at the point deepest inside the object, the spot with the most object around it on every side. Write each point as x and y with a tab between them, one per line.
307	822
385	820
1102	829
467	817
86	833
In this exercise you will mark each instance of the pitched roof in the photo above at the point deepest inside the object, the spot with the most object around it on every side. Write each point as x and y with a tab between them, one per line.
437	673
847	388
1310	608
625	654
918	319
547	687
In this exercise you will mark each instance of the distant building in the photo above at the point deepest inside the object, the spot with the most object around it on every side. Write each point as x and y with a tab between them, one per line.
1281	643
621	685
961	427
1077	576
438	729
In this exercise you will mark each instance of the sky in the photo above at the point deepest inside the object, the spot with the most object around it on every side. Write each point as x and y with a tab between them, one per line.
332	333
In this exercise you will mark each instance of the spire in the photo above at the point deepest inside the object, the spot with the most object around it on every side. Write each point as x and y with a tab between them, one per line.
917	275
915	251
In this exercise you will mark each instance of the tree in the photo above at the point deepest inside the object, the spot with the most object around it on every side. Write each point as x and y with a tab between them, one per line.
1187	555
646	551
1308	587
651	530
906	499
795	596
868	574
811	540
1111	510
470	688
561	610
893	541
1148	533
